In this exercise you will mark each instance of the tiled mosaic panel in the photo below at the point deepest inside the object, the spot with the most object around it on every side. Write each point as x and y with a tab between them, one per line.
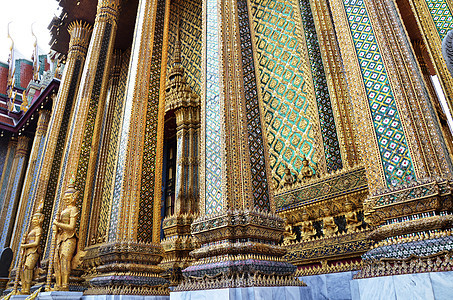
85	152
106	200
255	138
284	86
145	217
326	117
11	201
441	15
394	152
190	33
57	157
213	163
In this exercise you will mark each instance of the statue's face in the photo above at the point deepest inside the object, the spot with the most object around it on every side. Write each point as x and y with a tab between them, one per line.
36	220
305	163
69	199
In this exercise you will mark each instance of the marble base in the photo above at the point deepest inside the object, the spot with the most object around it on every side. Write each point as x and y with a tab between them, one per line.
59	295
247	293
334	286
18	297
124	297
423	286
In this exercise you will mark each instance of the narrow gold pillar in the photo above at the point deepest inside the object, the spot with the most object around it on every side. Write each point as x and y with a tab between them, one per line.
132	248
82	147
185	104
26	202
419	49
59	121
83	140
7	169
13	189
435	19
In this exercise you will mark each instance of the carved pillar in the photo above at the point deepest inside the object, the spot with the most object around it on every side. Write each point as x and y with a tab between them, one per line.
131	249
329	49
185	104
26	202
434	19
13	190
82	144
407	163
420	49
7	169
237	228
59	123
107	149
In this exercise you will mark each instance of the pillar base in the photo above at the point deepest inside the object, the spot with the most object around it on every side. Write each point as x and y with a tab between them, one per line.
58	295
247	293
19	297
434	285
125	268
124	297
238	249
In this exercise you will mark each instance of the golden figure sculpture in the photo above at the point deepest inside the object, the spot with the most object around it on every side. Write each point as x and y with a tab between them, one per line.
30	247
288	234
288	178
306	227
306	172
351	218
64	228
329	226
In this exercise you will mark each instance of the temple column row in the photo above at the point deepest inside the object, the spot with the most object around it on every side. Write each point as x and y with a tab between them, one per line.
46	188
26	202
13	189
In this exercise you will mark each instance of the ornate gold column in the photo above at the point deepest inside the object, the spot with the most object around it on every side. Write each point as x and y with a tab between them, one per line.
185	104
420	49
7	169
108	149
126	263
82	144
59	122
434	19
237	228
339	93
407	163
12	195
26	202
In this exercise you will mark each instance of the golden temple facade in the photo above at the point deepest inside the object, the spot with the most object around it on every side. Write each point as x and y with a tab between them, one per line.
194	145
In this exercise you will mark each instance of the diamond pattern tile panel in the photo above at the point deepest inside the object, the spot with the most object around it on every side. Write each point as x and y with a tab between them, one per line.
394	152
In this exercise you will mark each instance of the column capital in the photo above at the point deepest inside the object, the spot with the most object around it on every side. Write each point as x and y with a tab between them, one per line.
108	10
43	122
80	32
23	145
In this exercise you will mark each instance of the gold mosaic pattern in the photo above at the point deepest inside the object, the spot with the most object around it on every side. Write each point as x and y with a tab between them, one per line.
190	32
290	112
104	214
